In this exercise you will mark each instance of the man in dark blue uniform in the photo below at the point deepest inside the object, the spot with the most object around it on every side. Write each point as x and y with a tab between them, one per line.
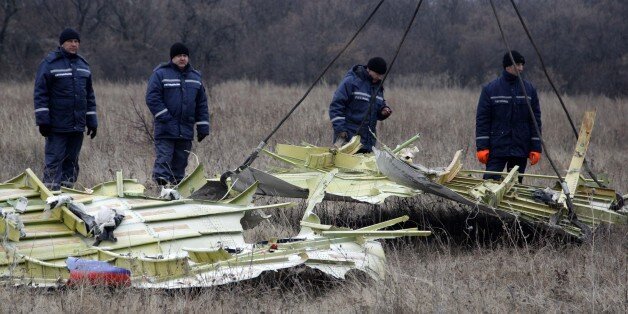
176	97
505	132
64	106
349	110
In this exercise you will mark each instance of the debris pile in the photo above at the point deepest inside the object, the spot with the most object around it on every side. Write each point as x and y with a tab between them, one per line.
163	243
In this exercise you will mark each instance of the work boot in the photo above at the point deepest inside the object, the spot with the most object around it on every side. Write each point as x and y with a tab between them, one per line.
162	182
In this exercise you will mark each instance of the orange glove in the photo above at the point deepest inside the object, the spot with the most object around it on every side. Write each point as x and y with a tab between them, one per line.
534	158
482	156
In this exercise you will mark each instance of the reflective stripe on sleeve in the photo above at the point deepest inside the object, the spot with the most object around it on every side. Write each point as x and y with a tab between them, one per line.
90	112
42	109
161	112
482	137
361	94
61	70
337	118
202	122
365	95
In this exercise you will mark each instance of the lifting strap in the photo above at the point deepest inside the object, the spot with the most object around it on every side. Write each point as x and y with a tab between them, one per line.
249	160
367	117
560	99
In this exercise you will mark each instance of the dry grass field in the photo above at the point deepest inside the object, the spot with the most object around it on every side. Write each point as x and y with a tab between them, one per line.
471	264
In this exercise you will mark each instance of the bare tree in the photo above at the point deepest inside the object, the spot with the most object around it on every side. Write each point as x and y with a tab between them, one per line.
288	41
9	9
81	14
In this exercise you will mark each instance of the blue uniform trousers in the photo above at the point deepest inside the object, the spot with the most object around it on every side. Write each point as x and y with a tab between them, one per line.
498	164
62	159
171	160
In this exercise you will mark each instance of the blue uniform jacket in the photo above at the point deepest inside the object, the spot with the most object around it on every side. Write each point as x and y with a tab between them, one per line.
503	123
351	104
178	101
64	97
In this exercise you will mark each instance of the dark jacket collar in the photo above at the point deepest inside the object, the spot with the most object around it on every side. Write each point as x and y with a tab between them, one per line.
360	72
67	54
186	69
509	77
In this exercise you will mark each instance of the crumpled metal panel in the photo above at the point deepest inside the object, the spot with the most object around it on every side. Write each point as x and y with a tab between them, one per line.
166	243
404	173
391	175
518	204
365	188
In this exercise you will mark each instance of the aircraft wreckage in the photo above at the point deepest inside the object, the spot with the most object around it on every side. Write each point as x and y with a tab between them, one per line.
374	177
114	234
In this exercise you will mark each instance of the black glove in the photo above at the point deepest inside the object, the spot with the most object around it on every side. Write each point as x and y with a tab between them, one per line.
385	112
91	132
200	137
45	129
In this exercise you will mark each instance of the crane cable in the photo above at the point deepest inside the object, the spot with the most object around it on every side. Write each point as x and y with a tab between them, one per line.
262	144
381	83
573	218
560	99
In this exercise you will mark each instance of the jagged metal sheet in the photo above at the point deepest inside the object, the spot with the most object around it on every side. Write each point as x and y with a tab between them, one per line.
165	244
517	205
367	188
268	184
404	173
353	187
373	178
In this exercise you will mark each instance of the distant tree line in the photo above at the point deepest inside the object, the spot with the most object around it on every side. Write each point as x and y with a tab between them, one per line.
583	42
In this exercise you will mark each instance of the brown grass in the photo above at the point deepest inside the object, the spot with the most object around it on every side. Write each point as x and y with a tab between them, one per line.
472	264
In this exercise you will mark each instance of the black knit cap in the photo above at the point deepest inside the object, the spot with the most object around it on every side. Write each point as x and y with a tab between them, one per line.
377	65
515	55
68	34
179	49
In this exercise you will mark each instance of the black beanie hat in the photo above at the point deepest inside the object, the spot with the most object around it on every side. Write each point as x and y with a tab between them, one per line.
377	65
68	34
179	49
515	55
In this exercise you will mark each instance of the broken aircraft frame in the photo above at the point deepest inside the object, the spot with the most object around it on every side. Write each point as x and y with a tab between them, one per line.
188	242
374	177
48	238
